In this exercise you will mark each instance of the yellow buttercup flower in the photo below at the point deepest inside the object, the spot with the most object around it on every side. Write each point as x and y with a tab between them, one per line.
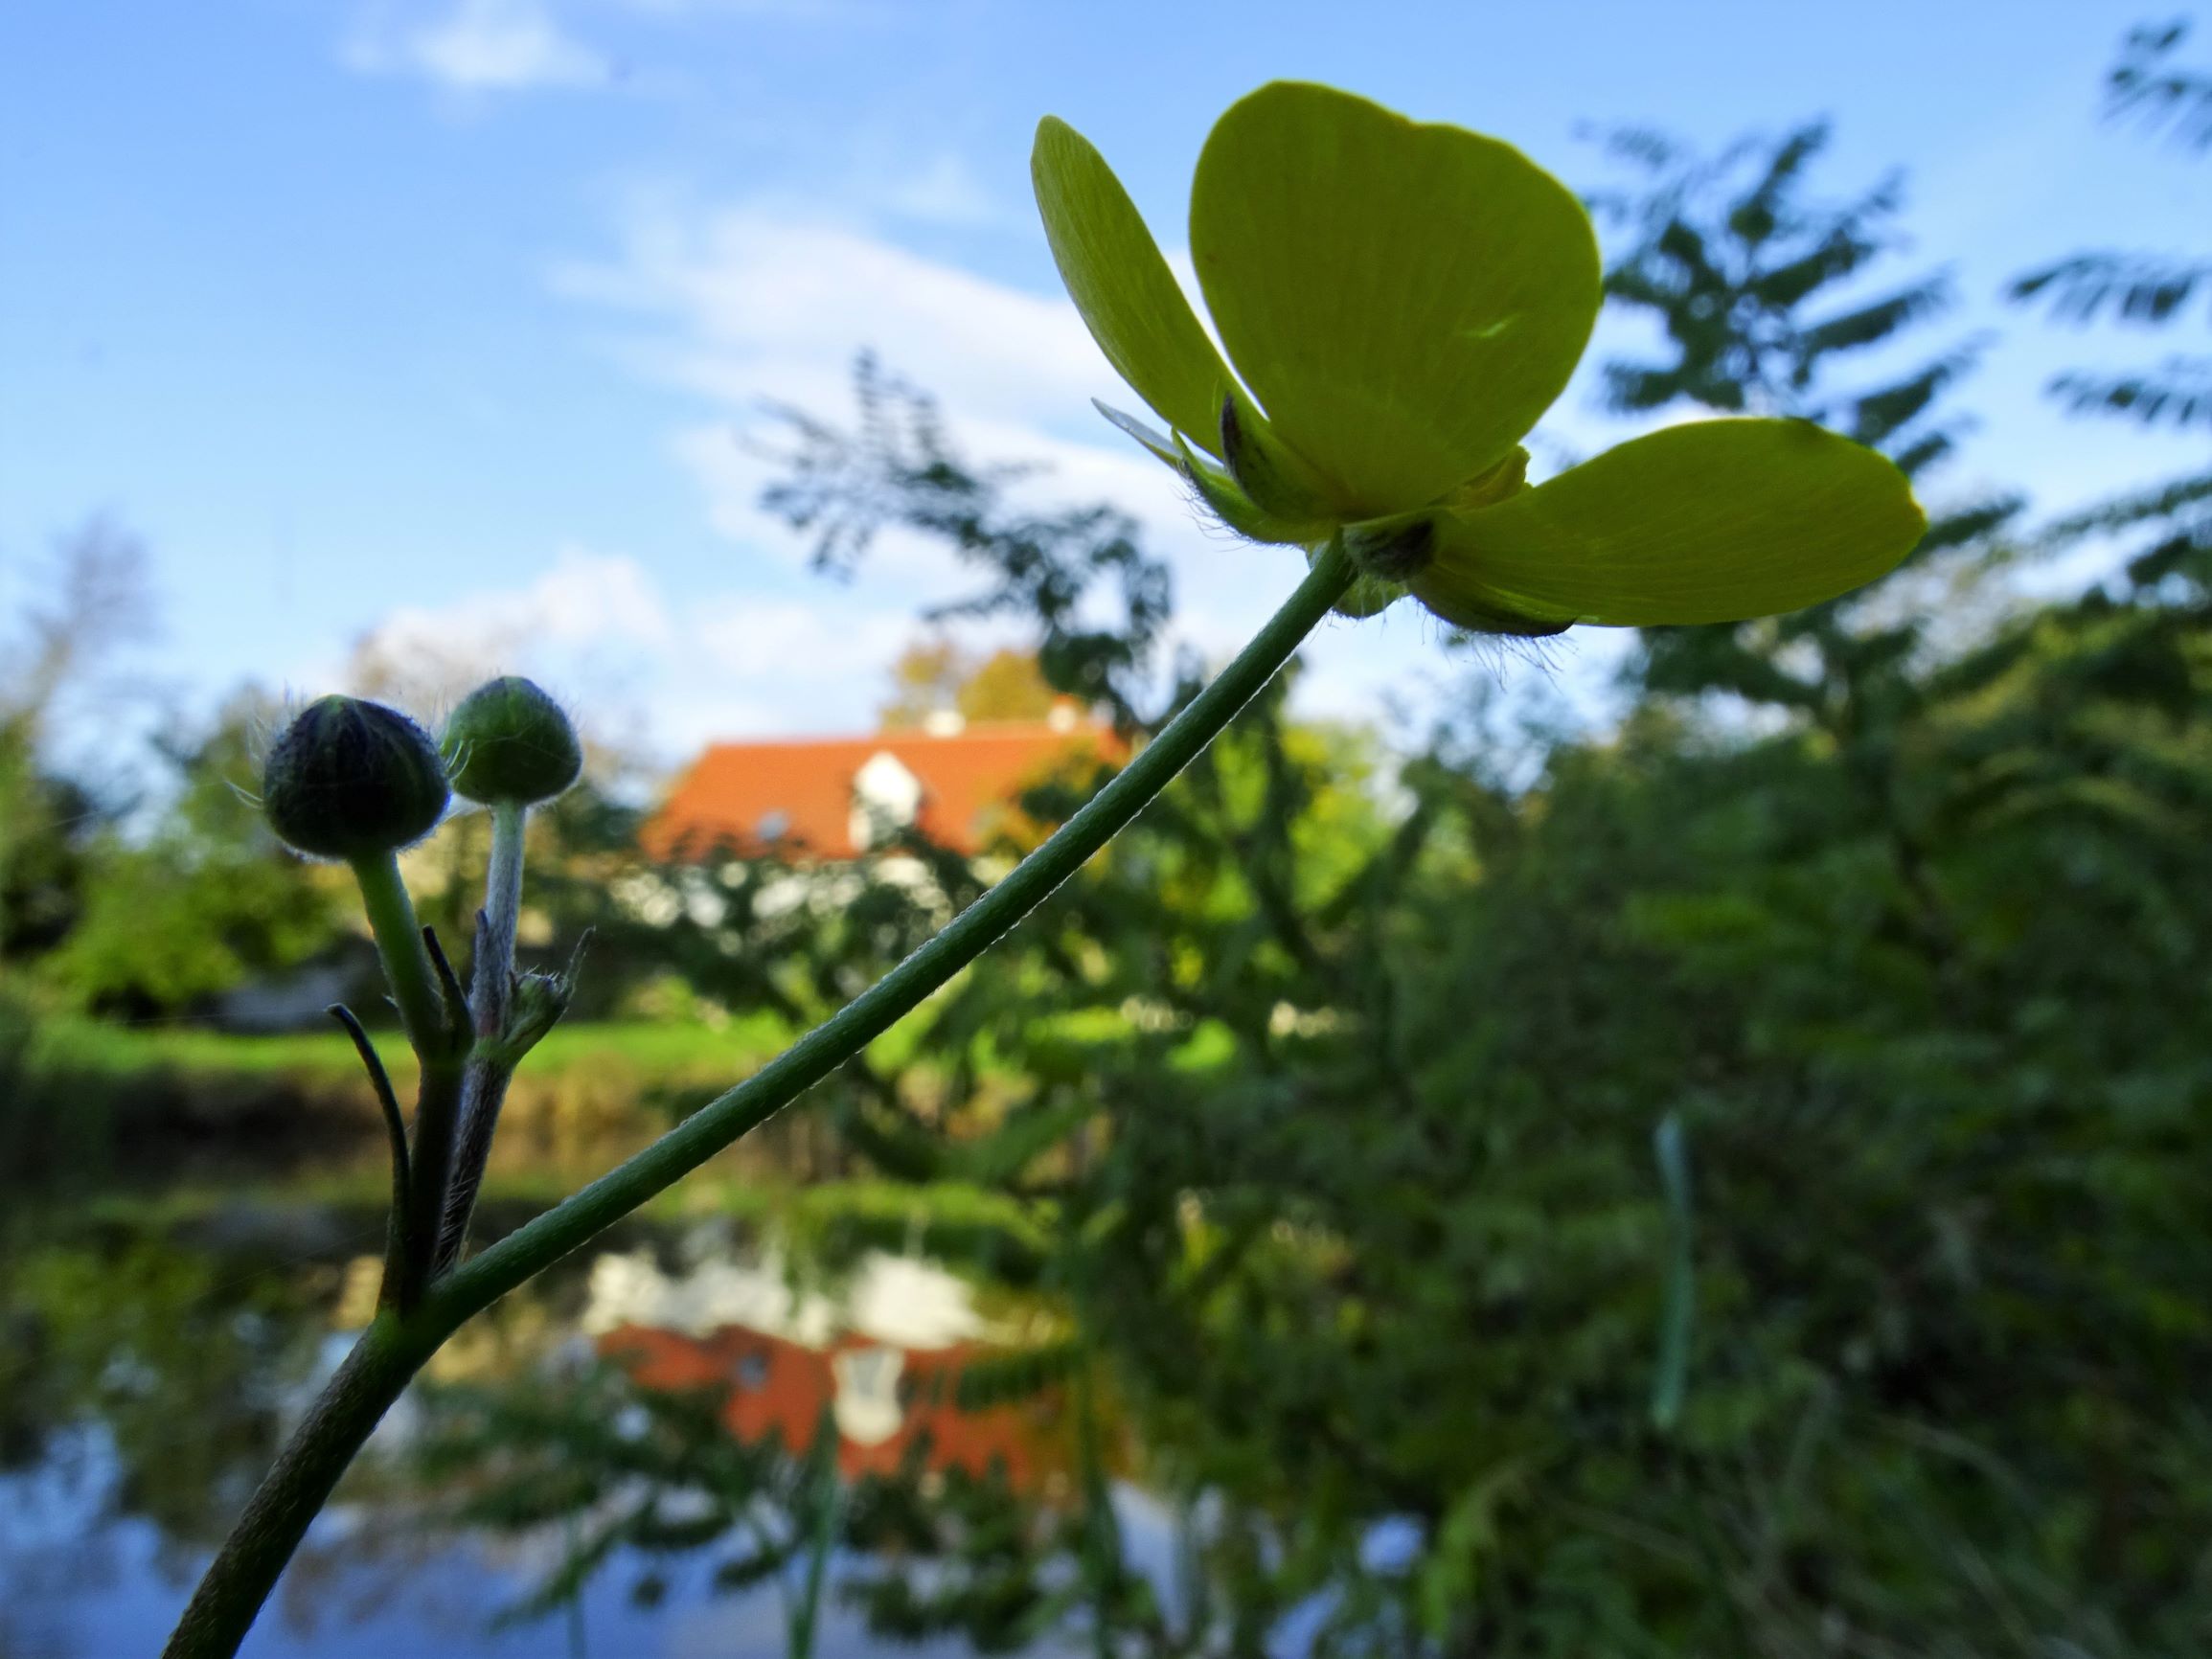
1400	304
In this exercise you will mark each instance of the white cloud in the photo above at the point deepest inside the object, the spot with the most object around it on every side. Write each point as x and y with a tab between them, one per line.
476	46
747	308
743	302
658	677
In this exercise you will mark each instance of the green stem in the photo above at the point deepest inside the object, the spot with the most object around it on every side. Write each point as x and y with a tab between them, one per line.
438	1096
399	943
823	1493
429	1026
297	1486
571	1223
223	1609
484	1086
502	911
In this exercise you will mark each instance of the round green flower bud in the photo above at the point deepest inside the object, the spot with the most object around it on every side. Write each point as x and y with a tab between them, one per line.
510	744
351	779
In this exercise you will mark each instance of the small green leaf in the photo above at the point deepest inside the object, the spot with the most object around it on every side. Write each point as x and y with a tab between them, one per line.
1119	283
1712	521
1404	300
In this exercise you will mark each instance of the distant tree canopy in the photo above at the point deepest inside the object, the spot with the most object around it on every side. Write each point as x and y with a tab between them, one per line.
202	901
940	676
91	602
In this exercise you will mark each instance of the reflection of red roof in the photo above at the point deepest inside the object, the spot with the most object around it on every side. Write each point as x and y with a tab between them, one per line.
779	1387
744	796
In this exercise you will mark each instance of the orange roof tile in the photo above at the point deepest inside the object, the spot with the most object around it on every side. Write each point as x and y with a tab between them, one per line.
799	791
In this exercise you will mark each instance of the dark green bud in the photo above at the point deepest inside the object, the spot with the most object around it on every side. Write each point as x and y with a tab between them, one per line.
351	779
510	744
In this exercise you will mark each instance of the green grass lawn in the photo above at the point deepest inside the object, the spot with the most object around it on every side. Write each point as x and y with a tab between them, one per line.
656	1051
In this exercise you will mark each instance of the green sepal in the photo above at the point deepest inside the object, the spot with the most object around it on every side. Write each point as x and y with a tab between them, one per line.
1237	509
1122	286
1278	480
1367	596
1465	605
1711	521
1396	549
353	780
1158	443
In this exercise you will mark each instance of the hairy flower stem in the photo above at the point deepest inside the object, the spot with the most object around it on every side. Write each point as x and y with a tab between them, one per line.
223	1609
491	1063
399	943
428	1021
494	969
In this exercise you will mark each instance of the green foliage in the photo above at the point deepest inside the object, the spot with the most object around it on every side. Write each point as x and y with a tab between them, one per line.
1053	570
1759	287
1330	1134
204	902
1729	257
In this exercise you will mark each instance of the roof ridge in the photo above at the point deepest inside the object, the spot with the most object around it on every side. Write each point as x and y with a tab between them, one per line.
916	735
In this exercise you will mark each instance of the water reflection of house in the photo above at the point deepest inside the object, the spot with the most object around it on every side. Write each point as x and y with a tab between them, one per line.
885	1357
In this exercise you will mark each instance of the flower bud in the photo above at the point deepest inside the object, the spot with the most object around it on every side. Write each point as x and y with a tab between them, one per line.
351	779
510	744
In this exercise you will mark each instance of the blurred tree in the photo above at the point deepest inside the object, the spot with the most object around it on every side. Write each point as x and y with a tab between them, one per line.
1077	574
937	676
204	899
1333	1135
1007	685
1761	293
94	604
2171	521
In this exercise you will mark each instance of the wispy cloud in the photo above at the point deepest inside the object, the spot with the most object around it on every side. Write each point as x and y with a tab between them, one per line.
655	676
945	192
474	46
799	10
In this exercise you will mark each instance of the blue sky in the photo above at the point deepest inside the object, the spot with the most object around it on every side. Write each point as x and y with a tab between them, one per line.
442	323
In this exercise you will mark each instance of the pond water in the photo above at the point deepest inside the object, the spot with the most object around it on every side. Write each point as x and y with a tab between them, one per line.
647	1452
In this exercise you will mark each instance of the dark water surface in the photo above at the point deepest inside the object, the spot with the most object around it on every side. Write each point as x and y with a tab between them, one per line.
716	1405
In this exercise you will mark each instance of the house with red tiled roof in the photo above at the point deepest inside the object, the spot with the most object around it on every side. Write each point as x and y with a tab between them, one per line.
834	798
